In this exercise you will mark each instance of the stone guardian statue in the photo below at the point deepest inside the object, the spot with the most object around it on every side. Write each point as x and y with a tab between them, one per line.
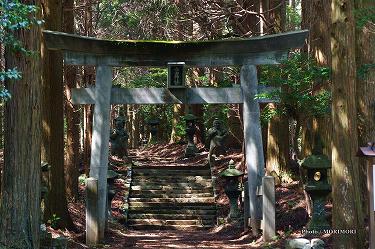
215	138
119	138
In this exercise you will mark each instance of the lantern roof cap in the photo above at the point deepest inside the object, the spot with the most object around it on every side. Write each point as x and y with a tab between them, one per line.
231	171
316	162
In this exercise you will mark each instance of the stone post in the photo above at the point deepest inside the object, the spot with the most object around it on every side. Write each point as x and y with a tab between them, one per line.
100	141
253	142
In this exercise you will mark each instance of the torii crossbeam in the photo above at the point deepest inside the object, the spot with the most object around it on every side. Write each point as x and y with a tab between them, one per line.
105	54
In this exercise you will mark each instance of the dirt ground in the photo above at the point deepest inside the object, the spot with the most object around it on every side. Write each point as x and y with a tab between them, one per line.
291	215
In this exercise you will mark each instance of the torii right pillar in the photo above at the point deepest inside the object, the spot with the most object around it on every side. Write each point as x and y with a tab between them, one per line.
253	143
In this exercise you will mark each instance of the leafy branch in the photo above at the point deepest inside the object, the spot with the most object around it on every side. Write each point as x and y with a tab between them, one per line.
14	16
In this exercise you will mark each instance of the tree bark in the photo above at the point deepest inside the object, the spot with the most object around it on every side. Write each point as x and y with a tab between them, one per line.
20	197
277	145
278	127
365	50
178	111
88	80
347	208
72	114
316	16
53	120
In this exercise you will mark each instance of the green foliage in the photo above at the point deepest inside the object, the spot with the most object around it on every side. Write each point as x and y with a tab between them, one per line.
14	16
138	19
180	128
54	221
135	77
364	70
293	17
204	80
212	111
82	179
299	80
364	15
155	77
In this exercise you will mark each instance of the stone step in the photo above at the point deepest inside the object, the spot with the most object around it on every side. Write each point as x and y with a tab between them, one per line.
171	167
171	227
168	182
172	191
163	186
173	200
163	194
174	211
171	178
160	222
162	216
171	205
156	172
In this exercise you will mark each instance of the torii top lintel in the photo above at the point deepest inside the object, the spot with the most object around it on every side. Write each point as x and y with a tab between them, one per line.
81	50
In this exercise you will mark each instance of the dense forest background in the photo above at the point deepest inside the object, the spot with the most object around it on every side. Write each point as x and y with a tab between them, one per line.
326	93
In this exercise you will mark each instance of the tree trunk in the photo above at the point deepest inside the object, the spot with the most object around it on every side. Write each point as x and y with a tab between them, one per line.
136	126
178	111
278	127
53	120
72	114
88	79
277	145
347	208
365	91
316	16
20	197
2	68
235	126
198	112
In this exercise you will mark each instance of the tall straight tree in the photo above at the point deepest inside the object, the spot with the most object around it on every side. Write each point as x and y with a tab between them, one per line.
347	210
365	52
72	114
316	17
20	197
53	119
278	127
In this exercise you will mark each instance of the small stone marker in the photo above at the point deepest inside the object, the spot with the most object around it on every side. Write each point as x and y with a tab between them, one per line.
269	213
92	226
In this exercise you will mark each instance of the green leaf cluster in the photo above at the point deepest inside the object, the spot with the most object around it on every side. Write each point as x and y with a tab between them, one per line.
364	15
138	19
293	17
141	77
364	70
300	90
14	16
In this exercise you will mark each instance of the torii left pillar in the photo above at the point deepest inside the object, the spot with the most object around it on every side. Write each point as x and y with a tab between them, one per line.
99	154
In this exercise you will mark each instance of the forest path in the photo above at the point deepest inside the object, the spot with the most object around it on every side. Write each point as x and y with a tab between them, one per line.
220	237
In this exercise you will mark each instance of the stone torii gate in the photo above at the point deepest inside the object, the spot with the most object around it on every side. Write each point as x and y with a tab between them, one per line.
105	54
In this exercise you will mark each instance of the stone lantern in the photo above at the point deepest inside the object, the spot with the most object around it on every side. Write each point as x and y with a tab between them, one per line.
154	123
191	149
316	183
232	188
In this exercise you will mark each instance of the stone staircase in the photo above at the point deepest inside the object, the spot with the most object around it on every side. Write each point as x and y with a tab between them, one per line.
171	197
